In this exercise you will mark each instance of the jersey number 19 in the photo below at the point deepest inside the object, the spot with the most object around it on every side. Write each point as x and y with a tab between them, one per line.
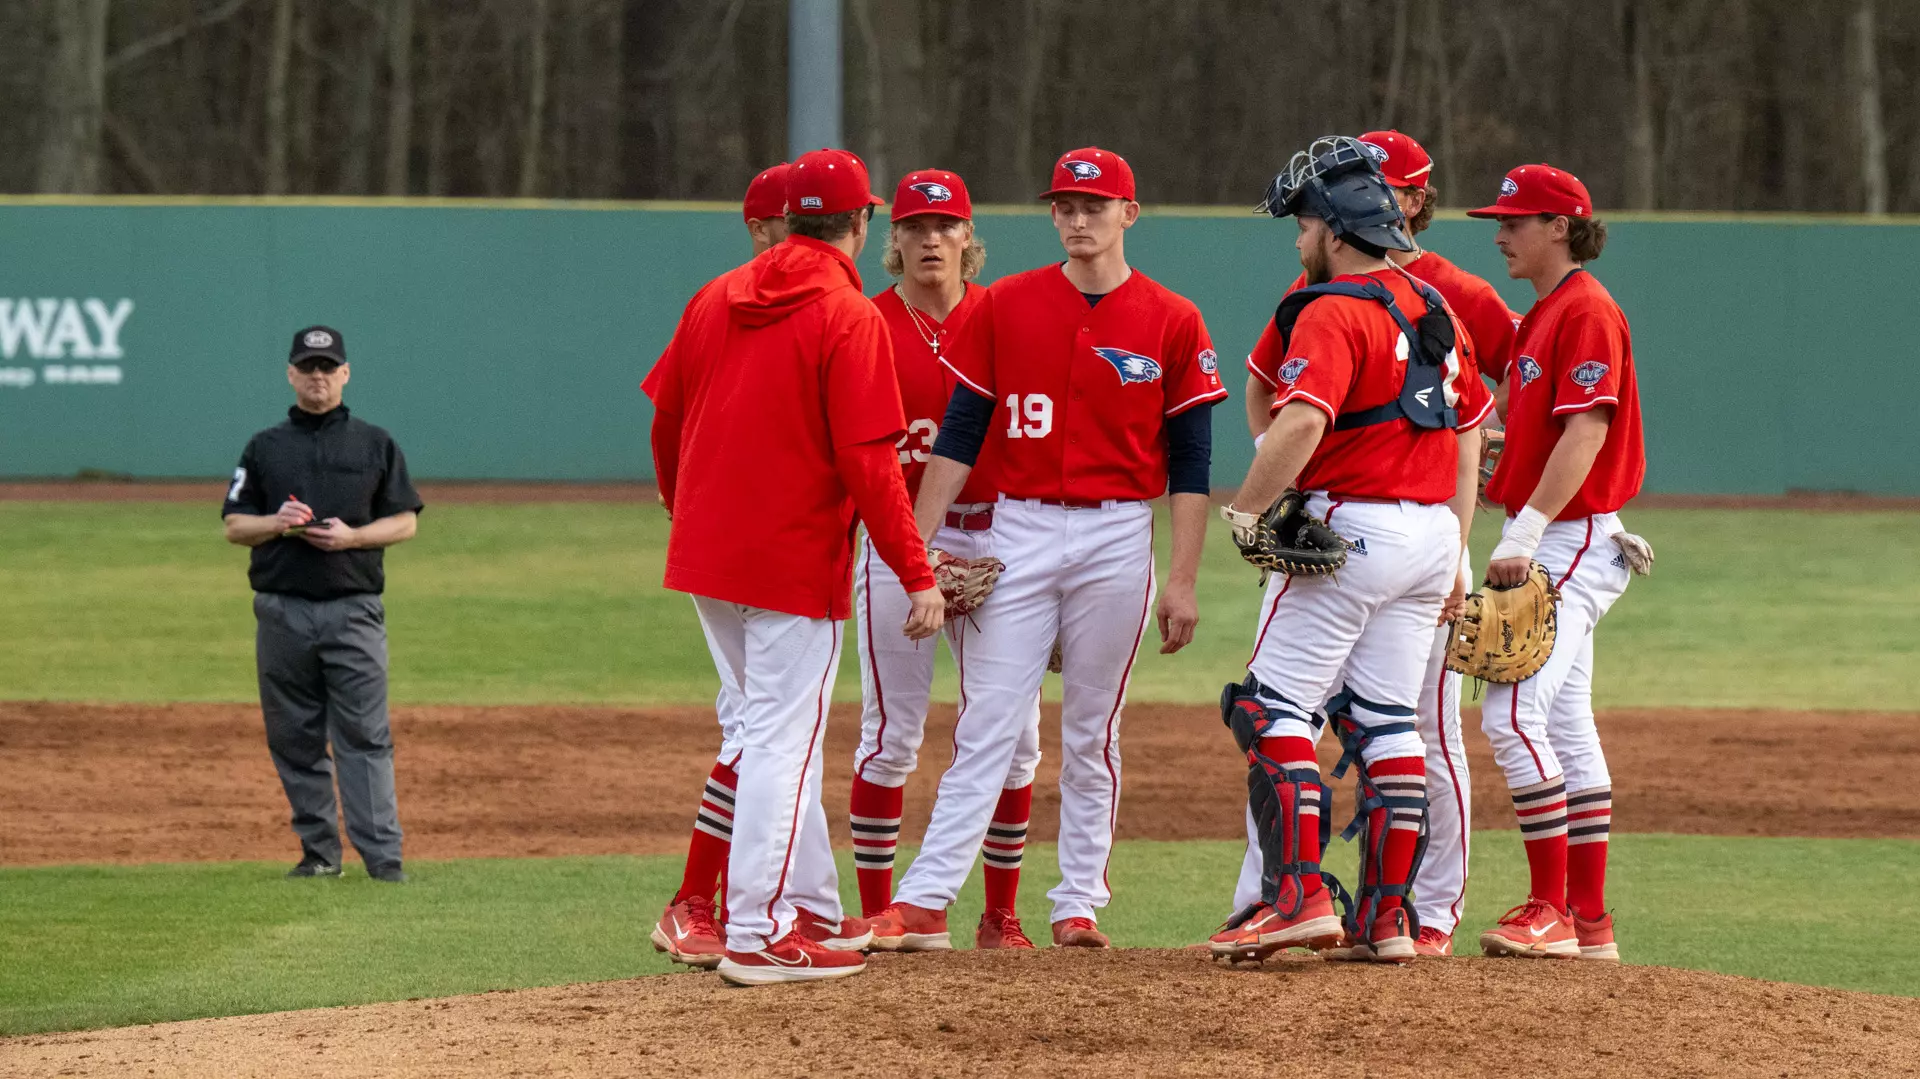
1030	416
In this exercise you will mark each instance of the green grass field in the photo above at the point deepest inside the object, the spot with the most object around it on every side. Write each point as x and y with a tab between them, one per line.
98	946
561	603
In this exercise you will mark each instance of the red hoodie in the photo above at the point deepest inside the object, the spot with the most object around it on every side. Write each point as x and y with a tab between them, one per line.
776	410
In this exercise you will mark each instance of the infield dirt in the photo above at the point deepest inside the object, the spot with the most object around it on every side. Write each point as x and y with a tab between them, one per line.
192	782
1051	1013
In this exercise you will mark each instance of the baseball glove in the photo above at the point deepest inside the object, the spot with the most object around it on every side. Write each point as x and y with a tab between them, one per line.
1491	443
965	583
1286	538
1505	634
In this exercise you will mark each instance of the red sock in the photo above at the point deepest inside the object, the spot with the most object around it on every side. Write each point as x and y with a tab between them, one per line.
1542	811
1589	822
712	837
1303	845
1399	777
875	814
1006	844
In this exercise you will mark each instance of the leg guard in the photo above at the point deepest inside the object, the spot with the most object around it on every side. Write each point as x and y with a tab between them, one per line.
1354	738
1275	794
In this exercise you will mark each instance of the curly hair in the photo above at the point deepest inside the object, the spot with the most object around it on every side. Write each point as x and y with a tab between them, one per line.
1586	238
971	259
1418	222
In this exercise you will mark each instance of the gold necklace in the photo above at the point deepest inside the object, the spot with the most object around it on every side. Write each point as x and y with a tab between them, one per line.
930	337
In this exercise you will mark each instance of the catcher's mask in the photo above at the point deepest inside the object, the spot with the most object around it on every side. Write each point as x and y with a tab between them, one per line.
1338	180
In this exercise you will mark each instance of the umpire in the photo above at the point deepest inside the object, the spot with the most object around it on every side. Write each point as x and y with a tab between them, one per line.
318	497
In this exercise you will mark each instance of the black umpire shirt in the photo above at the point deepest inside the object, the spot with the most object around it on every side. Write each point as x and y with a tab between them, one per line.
343	468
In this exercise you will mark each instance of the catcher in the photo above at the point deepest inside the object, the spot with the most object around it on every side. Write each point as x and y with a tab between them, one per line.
1573	458
933	254
1374	424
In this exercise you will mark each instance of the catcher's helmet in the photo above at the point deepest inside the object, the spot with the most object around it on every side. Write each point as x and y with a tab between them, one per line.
1338	180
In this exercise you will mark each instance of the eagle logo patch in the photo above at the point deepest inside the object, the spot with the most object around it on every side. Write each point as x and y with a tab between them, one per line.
934	192
1508	187
1590	373
1130	366
1083	170
1291	371
1529	369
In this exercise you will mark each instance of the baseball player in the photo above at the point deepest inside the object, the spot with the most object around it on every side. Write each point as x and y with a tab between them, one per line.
1440	887
689	929
785	349
1573	457
1094	385
932	250
1384	443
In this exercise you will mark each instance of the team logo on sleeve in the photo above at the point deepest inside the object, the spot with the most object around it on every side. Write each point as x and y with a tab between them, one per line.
1131	366
1209	362
1590	373
1529	370
933	192
1083	170
1291	371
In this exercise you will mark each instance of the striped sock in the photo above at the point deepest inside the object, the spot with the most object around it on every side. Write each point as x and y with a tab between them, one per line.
1005	846
1297	753
875	814
1399	777
1589	822
1542	809
712	837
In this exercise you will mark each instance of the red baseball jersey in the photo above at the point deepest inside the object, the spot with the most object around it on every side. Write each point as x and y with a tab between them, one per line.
1083	390
1574	353
1348	355
1474	302
926	386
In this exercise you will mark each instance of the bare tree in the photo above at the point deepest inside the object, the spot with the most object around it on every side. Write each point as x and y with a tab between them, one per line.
399	94
536	115
279	60
76	96
1863	37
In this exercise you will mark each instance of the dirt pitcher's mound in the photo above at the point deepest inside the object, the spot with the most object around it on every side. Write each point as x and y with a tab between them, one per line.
1059	1013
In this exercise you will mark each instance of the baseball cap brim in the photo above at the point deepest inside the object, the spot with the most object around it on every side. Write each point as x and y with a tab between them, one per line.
1497	210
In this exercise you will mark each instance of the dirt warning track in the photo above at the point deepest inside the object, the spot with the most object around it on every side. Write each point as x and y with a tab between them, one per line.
168	783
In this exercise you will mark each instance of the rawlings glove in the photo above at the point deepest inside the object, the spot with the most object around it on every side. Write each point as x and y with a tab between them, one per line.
1286	538
1505	634
965	583
1491	443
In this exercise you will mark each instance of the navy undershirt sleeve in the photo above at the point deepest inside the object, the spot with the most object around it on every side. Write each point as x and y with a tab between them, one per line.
1189	451
964	430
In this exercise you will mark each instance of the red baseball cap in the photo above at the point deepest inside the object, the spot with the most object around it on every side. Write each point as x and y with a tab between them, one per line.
1403	162
766	195
1539	189
932	191
1091	171
829	182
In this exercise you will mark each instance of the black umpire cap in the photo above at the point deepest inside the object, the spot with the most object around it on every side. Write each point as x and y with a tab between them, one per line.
318	343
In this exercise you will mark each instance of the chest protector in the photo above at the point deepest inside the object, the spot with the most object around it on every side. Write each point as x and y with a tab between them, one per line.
1427	397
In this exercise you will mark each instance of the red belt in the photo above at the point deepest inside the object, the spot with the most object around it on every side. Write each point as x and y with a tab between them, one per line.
976	521
1362	498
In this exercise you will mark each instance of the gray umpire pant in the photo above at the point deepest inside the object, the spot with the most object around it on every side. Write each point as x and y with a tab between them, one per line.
323	674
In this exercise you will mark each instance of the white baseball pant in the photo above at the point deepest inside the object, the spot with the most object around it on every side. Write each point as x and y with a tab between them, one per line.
1085	576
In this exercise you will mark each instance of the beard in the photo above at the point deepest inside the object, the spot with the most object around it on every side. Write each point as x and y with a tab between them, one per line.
1317	264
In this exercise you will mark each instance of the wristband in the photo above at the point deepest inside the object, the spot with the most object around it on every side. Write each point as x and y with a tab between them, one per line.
1522	537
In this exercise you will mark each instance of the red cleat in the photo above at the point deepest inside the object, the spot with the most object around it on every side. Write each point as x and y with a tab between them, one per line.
1316	926
1079	933
1433	942
688	934
1596	938
792	958
1000	929
903	927
1533	930
846	935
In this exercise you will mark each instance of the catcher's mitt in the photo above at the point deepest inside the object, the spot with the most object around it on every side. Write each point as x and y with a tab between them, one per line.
1286	538
965	583
1491	443
1505	634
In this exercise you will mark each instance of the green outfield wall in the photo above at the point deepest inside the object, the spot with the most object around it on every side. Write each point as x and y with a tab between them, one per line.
508	341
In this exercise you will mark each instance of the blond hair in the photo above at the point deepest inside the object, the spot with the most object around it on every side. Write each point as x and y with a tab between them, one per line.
971	260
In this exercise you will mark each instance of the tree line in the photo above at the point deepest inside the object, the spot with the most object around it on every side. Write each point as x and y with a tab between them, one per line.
1726	105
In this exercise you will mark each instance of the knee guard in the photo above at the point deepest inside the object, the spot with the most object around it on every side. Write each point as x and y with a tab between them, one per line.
1252	712
1354	740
